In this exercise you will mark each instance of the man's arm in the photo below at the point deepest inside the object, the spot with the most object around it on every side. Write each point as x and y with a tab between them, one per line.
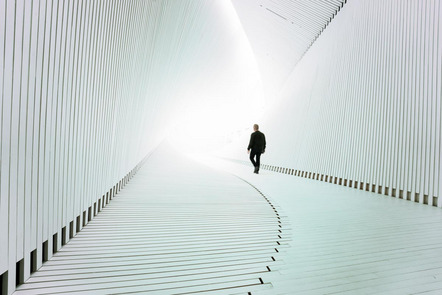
264	148
251	142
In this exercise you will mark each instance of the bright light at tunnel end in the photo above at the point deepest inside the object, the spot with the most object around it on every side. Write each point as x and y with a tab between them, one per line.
208	128
220	106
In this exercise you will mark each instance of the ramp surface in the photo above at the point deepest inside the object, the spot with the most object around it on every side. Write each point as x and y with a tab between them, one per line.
178	227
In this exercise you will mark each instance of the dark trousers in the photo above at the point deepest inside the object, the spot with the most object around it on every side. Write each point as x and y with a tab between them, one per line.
254	154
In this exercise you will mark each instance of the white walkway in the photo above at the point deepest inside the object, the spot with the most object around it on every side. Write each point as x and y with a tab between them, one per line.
177	228
180	227
347	241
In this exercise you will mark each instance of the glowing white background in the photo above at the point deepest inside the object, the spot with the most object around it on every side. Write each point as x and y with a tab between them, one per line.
224	95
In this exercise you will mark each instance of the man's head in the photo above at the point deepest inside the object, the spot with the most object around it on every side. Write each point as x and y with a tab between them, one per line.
256	127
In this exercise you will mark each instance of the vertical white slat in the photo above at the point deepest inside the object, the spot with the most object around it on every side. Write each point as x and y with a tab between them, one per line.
22	185
428	90
52	147
423	102
122	81
370	96
108	72
18	114
116	82
43	124
90	183
132	119
64	117
73	163
388	139
365	132
374	98
110	45
71	80
335	123
356	113
7	161
30	244
89	106
79	110
396	107
94	192
393	110
407	142
48	139
412	109
432	158
46	149
16	171
399	97
57	198
83	110
92	180
380	98
362	94
413	105
438	166
108	69
419	101
67	81
381	101
66	132
429	94
383	130
40	56
342	130
354	137
101	114
16	195
4	199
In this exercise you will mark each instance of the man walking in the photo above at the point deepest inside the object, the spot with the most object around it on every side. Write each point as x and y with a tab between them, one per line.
257	146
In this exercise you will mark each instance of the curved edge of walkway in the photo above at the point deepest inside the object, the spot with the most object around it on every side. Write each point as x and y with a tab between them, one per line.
177	228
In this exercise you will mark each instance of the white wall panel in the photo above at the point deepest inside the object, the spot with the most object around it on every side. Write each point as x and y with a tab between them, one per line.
3	196
8	73
87	89
363	105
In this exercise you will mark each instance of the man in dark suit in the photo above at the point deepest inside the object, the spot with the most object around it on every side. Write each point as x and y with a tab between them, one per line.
257	146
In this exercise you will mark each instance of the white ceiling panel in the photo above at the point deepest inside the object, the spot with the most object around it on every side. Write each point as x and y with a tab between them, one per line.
281	31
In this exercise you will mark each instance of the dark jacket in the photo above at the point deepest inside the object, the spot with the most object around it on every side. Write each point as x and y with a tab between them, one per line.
257	142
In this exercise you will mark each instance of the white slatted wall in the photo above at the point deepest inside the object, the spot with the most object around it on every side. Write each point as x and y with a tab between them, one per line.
363	107
82	103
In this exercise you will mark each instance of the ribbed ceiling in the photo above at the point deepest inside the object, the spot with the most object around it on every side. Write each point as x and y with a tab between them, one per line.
281	31
305	18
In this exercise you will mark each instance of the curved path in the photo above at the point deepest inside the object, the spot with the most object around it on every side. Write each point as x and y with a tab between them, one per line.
177	227
349	241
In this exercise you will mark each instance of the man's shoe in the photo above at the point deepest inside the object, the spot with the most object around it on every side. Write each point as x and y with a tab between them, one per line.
256	170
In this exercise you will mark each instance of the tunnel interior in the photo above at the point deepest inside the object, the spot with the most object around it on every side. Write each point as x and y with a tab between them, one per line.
348	94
